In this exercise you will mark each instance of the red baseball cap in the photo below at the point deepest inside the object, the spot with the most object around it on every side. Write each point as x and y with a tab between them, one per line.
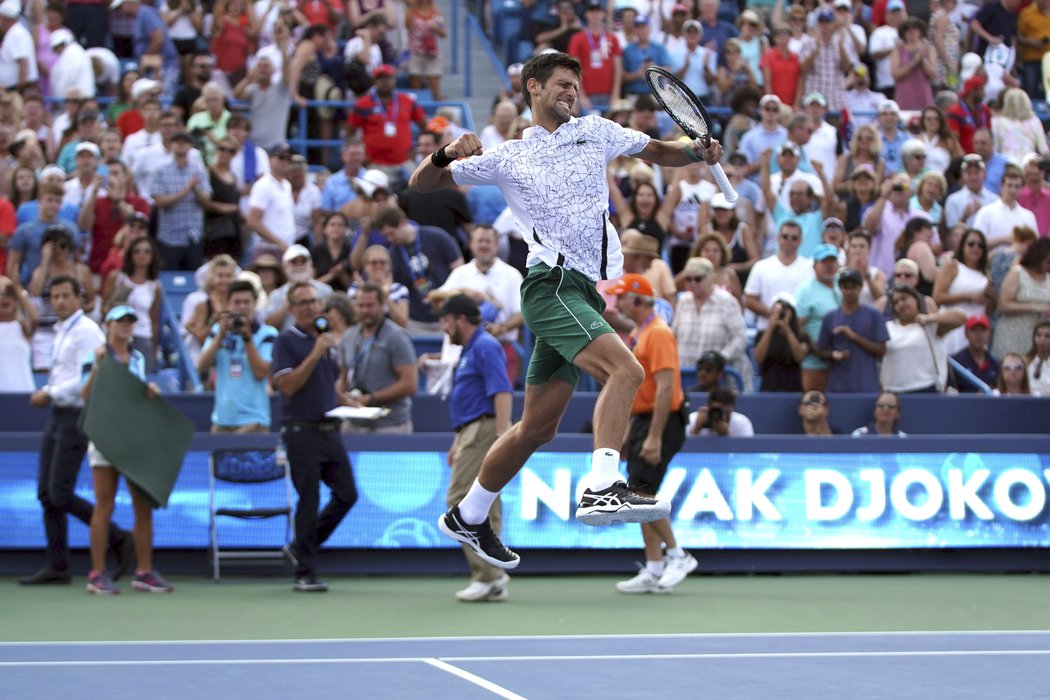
384	69
631	282
977	320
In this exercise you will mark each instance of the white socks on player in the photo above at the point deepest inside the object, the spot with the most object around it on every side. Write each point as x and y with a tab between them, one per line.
605	469
656	567
476	504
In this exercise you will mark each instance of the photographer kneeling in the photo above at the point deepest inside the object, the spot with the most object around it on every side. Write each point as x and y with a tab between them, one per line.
719	418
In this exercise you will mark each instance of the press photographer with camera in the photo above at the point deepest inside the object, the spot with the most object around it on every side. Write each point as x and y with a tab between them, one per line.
240	350
719	418
305	373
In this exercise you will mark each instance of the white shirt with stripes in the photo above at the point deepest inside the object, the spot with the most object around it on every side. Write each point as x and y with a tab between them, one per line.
556	187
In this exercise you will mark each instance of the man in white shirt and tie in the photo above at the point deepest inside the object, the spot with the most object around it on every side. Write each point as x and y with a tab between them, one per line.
63	446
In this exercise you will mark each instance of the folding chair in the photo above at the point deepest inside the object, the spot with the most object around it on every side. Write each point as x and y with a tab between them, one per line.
252	469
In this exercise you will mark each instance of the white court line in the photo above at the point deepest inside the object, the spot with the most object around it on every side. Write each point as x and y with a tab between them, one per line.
538	637
578	657
476	680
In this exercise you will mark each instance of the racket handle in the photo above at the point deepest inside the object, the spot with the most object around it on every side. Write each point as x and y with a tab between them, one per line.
723	183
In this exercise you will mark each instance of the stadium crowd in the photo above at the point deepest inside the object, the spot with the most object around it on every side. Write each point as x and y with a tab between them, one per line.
894	205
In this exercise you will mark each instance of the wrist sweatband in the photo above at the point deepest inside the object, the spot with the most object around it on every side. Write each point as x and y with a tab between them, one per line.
439	159
692	154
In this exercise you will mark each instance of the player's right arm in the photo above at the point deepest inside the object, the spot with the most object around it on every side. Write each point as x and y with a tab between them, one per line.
429	177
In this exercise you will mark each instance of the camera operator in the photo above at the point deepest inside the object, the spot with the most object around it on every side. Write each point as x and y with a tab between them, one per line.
304	372
719	418
240	349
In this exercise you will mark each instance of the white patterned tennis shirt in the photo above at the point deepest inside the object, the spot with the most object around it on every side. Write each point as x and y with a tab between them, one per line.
556	187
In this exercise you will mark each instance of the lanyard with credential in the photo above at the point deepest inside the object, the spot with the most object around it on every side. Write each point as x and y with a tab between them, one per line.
419	281
389	120
638	332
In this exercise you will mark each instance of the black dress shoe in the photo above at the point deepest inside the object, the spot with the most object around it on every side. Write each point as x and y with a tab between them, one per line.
124	553
45	576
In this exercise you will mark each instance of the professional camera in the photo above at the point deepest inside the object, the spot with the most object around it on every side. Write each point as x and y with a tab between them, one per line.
714	415
238	323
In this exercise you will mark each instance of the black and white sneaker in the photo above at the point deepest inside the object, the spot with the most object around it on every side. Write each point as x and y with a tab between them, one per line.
485	543
616	504
309	584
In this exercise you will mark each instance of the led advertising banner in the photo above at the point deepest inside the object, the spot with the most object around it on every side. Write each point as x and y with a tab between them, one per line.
744	500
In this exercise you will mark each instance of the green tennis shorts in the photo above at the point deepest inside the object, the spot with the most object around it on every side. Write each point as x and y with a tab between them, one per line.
564	312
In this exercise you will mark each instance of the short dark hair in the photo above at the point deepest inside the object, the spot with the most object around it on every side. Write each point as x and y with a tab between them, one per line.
242	286
65	279
722	395
339	302
238	120
860	233
388	216
295	287
372	288
315	30
542	66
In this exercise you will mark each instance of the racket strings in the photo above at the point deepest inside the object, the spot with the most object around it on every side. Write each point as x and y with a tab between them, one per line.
681	107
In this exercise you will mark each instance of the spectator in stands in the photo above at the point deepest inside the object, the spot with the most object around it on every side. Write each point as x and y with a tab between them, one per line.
1024	299
383	119
250	162
916	243
298	267
151	158
18	67
970	114
768	136
21	188
240	350
379	366
862	103
305	374
136	226
222	217
863	157
105	210
363	53
557	37
18	318
1036	359
913	65
643	211
790	166
376	269
271	209
640	54
153	46
425	26
1016	130
87	132
149	135
641	255
807	208
235	28
1035	196
963	283
268	97
858	252
826	61
710	372
962	205
72	69
123	100
423	257
201	67
813	410
708	318
886	220
372	194
976	356
995	163
891	136
339	311
738	237
23	254
905	272
307	201
499	128
720	417
219	274
180	190
852	339
270	272
781	68
1013	379
915	359
781	272
601	57
886	416
135	284
331	255
118	330
998	219
823	144
816	297
338	188
780	348
209	126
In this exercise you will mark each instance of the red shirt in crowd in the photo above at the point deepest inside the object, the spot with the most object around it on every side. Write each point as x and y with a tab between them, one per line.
785	71
964	121
386	126
130	121
7	228
595	54
108	221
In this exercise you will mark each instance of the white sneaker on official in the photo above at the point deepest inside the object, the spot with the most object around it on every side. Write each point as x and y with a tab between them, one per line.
479	591
645	582
676	569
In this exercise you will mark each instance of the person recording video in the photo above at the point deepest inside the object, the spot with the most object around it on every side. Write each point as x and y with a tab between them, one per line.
304	372
719	418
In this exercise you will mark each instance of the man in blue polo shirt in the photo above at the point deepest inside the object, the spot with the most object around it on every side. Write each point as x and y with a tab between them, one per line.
852	339
240	349
304	372
480	407
815	298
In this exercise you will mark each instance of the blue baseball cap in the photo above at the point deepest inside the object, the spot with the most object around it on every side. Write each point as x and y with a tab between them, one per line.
119	312
825	251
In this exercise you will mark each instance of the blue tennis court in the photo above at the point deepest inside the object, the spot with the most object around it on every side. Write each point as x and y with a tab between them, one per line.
747	666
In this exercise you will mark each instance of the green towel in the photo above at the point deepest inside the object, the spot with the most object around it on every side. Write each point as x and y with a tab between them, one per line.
144	438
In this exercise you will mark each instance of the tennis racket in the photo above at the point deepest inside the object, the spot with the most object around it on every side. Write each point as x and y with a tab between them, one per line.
688	112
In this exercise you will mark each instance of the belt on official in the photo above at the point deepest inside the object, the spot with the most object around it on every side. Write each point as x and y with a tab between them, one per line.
324	426
463	426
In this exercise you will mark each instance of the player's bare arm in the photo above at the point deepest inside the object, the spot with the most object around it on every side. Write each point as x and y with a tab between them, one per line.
432	174
676	154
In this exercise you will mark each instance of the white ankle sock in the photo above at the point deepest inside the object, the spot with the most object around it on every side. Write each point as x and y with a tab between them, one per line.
476	504
675	552
656	567
605	469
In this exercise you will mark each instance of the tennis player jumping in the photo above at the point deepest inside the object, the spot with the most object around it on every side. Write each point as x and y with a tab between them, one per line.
554	181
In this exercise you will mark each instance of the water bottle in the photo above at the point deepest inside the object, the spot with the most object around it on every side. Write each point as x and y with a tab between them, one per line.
281	454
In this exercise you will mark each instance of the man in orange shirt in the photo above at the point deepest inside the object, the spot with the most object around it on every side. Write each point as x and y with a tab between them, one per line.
1033	36
656	431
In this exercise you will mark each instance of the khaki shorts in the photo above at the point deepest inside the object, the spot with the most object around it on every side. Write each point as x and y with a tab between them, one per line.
564	312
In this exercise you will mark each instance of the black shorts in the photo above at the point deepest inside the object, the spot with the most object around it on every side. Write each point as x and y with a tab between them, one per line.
643	477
